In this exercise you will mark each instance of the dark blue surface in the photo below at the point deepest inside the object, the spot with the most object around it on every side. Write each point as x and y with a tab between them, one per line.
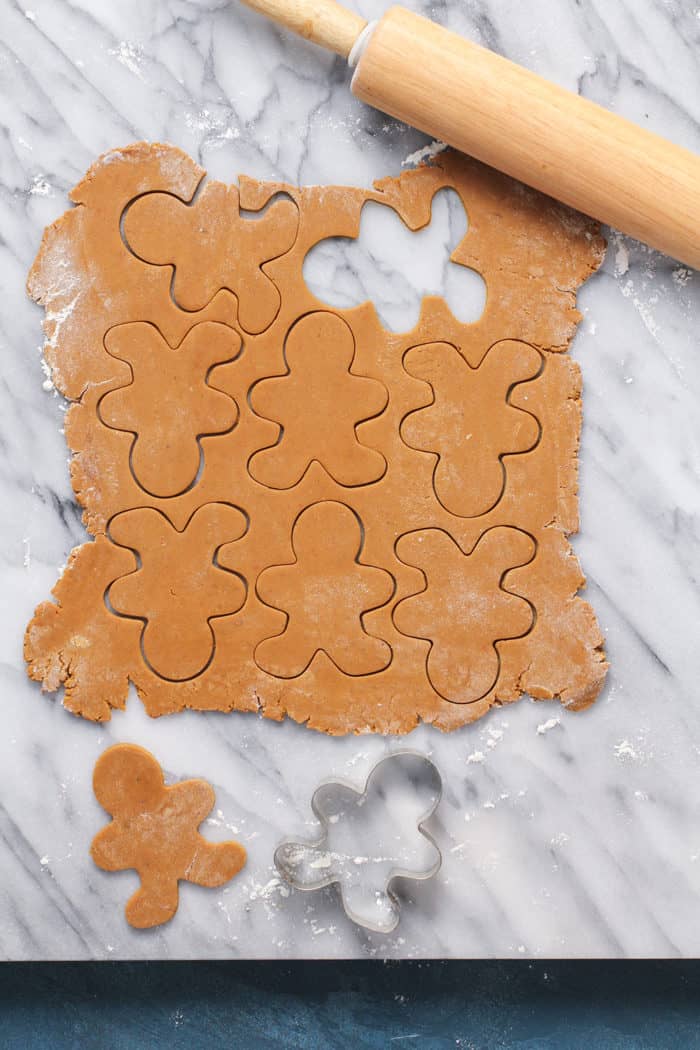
467	1005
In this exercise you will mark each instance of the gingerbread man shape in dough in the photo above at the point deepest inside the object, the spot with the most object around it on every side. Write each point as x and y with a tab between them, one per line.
318	405
179	587
470	444
171	402
154	830
465	611
208	254
325	594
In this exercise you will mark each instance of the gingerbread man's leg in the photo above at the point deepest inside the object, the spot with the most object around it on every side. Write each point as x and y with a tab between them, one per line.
214	863
154	903
286	654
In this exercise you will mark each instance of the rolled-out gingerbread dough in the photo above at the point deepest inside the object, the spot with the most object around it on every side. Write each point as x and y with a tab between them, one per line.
294	511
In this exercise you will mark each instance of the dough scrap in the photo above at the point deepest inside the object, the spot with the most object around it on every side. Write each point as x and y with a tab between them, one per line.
154	831
312	436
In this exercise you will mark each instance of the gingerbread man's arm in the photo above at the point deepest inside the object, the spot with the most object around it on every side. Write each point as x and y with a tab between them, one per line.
193	800
212	863
112	849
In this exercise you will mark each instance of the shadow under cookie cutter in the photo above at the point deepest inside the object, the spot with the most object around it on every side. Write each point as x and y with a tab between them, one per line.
370	838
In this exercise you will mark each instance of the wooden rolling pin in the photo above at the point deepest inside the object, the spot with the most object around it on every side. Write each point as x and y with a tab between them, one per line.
512	119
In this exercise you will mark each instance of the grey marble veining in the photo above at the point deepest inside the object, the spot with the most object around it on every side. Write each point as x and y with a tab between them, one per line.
562	834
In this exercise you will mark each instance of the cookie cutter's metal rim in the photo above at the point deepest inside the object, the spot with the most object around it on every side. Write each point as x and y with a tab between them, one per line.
395	873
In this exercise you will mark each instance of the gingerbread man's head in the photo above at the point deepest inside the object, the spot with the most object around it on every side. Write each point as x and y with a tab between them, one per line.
127	780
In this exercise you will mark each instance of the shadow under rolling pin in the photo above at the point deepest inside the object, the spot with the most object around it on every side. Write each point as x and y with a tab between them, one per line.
512	119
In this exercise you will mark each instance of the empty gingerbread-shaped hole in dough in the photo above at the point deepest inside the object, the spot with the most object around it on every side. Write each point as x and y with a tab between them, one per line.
323	596
396	267
178	586
319	405
209	253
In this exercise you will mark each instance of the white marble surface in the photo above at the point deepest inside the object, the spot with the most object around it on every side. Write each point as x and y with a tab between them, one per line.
563	834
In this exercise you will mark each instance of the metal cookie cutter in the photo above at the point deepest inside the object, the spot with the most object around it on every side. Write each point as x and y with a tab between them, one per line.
370	838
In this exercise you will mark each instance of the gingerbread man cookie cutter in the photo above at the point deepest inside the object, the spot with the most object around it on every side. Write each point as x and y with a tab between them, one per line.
370	838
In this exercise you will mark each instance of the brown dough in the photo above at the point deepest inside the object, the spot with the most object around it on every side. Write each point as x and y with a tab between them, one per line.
178	578
211	246
463	449
319	405
465	631
154	831
386	515
327	543
165	455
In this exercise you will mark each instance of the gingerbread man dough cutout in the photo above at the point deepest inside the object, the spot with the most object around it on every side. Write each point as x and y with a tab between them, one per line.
465	611
154	830
165	454
470	444
208	254
179	586
325	594
318	405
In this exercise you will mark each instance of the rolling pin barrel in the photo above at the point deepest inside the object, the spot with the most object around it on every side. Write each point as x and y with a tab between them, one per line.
545	136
